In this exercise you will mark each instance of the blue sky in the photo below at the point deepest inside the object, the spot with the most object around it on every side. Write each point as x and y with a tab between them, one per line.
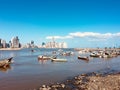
39	20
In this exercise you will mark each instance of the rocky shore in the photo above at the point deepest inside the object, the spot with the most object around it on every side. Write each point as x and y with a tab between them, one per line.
91	81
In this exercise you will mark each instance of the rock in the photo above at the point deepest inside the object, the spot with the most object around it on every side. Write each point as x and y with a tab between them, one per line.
63	85
43	89
43	86
48	87
55	86
76	78
92	81
83	74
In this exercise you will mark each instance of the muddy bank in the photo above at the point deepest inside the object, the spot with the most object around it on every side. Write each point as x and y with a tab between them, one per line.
90	81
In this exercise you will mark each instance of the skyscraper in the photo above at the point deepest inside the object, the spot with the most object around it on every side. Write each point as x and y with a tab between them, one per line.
0	41
3	42
15	42
0	44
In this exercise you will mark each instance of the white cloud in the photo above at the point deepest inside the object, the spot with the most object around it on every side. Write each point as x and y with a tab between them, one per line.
91	36
84	34
59	37
117	34
94	35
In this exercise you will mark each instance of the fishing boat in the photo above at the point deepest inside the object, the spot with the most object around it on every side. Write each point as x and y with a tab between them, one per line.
59	60
67	53
5	62
44	57
83	58
94	55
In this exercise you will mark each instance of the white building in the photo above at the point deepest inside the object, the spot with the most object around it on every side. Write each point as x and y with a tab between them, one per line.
54	44
65	45
15	42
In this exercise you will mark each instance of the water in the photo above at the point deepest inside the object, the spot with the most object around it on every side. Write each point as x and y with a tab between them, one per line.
27	72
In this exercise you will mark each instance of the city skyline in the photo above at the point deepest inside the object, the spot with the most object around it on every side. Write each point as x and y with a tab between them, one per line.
80	23
15	43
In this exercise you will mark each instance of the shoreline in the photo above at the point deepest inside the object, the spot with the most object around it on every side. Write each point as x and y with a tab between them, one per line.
5	49
90	81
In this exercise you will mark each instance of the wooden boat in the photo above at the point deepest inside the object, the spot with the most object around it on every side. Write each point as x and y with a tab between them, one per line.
83	58
6	62
59	60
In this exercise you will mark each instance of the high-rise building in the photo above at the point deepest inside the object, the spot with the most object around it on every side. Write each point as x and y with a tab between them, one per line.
0	43
64	45
4	44
32	43
54	44
43	45
10	44
15	42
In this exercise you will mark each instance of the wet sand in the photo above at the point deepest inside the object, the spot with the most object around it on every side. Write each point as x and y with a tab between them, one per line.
91	81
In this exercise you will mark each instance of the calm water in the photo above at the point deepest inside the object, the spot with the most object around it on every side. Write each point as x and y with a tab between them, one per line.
28	73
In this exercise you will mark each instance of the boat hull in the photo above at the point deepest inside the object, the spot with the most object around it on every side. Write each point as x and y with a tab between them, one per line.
59	60
5	62
83	58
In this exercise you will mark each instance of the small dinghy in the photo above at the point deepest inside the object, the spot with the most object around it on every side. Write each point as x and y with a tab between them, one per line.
59	60
83	58
44	57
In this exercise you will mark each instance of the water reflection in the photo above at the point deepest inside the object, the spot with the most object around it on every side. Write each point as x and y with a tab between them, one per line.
107	62
42	61
5	69
35	72
6	54
86	61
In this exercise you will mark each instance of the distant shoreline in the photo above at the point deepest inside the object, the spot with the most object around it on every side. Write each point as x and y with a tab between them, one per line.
10	49
76	49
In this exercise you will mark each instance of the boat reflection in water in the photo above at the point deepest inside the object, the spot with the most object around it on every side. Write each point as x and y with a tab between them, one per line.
42	61
5	69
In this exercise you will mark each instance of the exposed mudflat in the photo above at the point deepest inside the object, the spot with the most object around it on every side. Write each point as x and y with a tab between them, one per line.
92	81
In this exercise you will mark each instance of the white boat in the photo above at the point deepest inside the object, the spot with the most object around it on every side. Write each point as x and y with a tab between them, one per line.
59	60
94	55
43	57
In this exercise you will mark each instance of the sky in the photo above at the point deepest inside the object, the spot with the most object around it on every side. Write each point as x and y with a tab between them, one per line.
79	23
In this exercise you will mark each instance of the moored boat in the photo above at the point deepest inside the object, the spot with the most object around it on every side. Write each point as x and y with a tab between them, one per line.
59	60
5	62
83	58
42	57
94	55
